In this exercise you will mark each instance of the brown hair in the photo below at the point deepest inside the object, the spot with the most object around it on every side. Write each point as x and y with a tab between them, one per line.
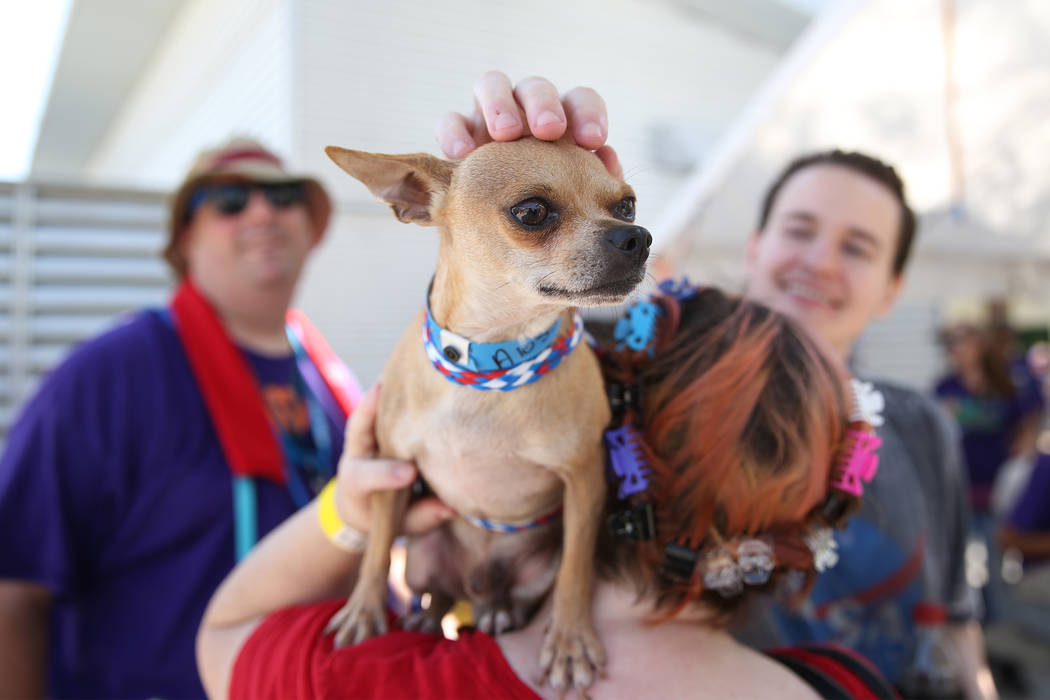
742	416
872	167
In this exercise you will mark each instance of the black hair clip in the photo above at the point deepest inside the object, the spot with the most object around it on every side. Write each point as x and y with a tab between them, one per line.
621	397
679	562
835	508
633	523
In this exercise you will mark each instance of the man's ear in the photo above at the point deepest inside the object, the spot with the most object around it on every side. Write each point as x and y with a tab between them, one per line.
409	184
751	250
893	291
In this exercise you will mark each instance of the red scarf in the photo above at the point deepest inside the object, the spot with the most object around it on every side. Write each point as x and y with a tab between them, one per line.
229	388
231	392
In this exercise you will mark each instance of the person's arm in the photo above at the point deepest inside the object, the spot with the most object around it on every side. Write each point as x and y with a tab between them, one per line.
506	112
296	563
965	635
968	642
1029	544
24	611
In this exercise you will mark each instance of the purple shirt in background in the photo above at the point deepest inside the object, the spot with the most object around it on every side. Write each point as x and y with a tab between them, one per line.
114	493
988	424
1031	513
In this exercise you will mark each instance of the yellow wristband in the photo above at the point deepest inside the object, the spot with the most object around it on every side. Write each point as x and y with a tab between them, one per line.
338	533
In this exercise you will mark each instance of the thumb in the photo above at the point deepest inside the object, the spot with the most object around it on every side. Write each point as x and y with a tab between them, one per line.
425	515
361	429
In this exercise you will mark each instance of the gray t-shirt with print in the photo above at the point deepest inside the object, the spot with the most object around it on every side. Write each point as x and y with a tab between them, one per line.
903	550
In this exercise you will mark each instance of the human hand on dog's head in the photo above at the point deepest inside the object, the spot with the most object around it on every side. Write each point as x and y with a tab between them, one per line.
361	473
503	112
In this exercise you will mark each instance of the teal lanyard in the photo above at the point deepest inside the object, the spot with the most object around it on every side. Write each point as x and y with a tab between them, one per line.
297	476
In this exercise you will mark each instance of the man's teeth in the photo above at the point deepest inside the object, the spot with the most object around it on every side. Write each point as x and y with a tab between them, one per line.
808	292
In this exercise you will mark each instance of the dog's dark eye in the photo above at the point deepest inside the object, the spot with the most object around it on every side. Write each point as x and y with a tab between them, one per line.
531	212
624	209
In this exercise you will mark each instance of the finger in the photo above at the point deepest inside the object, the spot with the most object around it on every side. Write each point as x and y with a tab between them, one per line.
360	431
588	119
610	160
543	109
453	136
494	99
367	475
425	515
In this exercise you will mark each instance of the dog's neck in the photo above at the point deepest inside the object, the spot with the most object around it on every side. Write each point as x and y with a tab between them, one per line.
486	311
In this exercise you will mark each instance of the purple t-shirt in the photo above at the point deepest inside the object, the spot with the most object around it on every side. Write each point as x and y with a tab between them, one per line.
115	494
989	424
1031	513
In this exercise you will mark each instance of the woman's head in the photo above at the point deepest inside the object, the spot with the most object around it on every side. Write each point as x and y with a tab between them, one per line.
742	415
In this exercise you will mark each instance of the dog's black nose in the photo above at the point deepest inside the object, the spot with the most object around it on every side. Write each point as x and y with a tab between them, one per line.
630	240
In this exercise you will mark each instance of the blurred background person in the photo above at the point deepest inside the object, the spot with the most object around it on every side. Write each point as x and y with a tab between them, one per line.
998	405
156	454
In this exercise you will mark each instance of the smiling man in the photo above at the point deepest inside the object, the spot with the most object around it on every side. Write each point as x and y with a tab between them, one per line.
834	235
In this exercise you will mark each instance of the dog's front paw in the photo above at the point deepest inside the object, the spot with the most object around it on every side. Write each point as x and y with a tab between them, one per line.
496	619
571	657
363	617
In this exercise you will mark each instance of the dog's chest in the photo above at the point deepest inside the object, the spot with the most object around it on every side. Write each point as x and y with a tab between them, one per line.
473	460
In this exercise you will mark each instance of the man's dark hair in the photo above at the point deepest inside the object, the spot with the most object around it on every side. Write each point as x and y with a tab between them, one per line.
865	165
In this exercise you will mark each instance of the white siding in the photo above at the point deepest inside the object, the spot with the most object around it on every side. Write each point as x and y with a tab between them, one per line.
377	76
224	68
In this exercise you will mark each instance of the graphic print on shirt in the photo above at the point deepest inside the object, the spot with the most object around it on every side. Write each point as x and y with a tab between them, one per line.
290	412
867	604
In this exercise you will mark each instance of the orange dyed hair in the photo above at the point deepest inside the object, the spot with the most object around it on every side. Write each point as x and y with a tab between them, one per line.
742	414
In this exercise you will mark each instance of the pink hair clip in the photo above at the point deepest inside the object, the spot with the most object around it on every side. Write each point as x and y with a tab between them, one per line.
861	464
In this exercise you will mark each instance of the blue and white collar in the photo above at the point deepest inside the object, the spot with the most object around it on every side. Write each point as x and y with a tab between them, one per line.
505	365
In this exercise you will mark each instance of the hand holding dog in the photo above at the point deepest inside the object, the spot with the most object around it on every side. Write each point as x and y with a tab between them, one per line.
361	474
503	112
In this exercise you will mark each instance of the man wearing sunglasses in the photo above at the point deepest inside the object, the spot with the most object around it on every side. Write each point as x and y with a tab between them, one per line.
158	453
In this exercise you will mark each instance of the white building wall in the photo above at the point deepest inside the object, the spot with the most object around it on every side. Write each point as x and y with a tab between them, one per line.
223	69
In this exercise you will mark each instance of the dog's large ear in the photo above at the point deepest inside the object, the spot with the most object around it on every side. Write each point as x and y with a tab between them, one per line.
408	183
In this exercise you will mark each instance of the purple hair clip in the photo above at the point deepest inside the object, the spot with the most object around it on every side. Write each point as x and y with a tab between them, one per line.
627	460
862	464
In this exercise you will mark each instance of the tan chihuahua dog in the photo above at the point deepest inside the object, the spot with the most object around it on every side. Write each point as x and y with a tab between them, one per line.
529	230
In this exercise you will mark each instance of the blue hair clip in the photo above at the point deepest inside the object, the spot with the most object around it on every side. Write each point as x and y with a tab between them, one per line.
637	329
679	289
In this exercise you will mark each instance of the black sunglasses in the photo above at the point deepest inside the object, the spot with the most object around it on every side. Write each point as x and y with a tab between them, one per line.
231	199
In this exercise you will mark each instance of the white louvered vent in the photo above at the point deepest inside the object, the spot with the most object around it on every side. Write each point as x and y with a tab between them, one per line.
72	258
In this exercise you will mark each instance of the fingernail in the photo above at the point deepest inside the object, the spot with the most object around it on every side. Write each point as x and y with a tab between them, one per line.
547	117
505	121
402	471
460	149
591	130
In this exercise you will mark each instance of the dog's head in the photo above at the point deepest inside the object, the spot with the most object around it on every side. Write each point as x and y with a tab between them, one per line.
545	217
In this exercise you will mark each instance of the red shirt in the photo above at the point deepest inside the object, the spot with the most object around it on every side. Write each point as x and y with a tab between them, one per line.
287	657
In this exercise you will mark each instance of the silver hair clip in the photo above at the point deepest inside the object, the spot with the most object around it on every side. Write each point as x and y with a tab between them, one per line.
824	547
721	572
755	559
868	403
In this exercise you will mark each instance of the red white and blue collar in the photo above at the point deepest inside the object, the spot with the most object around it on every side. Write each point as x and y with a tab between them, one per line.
498	526
499	366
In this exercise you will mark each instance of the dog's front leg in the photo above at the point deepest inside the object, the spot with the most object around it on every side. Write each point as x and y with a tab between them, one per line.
572	654
364	614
